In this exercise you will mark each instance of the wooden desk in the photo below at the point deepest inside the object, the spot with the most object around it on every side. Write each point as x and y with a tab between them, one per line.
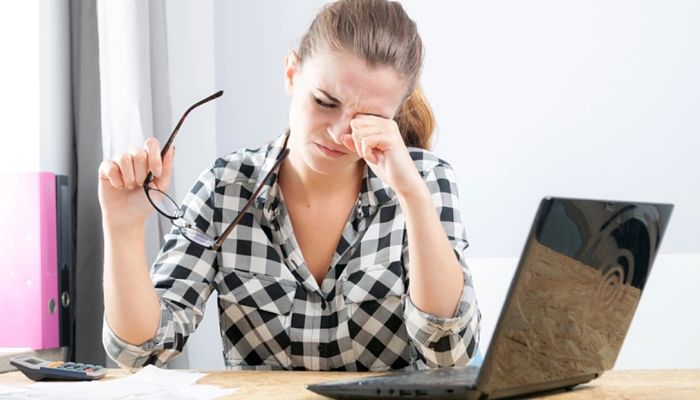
639	384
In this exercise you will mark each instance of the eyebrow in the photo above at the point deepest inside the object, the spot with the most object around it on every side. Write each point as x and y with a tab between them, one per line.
333	99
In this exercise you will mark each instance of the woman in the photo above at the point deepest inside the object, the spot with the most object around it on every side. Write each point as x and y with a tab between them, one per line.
349	258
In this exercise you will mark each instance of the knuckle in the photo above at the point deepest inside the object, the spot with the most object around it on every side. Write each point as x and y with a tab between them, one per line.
124	158
104	167
140	156
151	142
111	168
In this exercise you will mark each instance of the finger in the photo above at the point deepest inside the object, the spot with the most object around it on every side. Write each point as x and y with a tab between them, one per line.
357	141
126	165
109	170
368	118
373	147
364	129
361	131
362	120
155	164
374	125
140	165
163	182
348	142
368	152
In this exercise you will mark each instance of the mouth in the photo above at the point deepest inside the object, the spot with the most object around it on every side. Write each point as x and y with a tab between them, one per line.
329	151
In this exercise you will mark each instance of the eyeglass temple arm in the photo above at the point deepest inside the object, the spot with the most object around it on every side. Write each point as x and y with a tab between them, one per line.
252	198
167	144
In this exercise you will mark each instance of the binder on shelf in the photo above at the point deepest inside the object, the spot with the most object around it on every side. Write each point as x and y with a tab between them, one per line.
36	261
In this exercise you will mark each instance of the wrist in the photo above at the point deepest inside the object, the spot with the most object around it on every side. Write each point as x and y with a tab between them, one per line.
415	192
410	185
120	227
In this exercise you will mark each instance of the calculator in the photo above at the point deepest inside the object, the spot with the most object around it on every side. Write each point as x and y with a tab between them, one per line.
37	369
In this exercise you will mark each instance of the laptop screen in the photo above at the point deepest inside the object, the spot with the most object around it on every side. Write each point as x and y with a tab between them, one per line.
571	302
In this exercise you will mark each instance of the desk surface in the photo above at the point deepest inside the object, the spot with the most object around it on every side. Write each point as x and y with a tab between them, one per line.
637	384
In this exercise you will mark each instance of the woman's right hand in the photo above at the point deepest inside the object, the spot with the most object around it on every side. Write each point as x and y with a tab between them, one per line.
122	198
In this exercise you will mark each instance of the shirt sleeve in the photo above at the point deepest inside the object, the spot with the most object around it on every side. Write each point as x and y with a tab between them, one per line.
443	342
183	276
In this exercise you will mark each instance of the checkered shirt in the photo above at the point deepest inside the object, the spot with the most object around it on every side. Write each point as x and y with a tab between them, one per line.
272	312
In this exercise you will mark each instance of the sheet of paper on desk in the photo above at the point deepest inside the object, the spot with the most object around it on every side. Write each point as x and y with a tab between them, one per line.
149	383
6	390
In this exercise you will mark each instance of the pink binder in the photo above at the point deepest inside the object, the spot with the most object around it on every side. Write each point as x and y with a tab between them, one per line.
28	261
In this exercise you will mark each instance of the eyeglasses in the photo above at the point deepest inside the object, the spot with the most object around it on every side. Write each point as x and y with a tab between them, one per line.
168	208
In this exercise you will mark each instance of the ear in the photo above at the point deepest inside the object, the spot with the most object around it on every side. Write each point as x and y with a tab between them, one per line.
291	68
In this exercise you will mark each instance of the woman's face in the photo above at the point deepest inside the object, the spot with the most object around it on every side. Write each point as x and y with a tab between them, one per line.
327	92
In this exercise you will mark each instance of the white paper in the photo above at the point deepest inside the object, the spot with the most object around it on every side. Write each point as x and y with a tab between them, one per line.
155	375
148	383
6	389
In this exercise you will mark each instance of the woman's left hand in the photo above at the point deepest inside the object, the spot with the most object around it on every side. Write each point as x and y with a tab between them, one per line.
378	141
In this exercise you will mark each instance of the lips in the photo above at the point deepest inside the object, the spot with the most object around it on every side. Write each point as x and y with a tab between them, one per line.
330	151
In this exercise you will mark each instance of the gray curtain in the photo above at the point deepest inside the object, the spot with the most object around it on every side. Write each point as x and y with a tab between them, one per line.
134	85
88	304
93	88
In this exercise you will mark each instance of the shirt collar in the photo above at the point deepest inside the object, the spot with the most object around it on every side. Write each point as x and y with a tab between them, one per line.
374	193
268	199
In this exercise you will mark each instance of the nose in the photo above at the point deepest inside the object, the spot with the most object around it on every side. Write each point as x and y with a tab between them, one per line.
339	127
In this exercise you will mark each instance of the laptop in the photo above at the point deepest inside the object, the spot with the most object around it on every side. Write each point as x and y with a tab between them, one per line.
566	314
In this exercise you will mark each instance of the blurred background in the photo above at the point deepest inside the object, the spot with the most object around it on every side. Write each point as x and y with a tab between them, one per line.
594	99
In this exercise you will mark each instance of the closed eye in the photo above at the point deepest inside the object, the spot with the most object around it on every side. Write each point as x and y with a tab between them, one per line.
323	104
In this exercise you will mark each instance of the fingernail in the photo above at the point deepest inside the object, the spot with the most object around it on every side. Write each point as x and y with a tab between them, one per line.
157	172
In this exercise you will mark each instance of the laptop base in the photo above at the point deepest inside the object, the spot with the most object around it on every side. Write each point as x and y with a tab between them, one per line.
440	383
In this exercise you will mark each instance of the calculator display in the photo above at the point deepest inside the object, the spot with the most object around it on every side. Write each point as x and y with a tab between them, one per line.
33	361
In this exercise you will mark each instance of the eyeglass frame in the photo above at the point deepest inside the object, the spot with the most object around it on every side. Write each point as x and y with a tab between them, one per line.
218	241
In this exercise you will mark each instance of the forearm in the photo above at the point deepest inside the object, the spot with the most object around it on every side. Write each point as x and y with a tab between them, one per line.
131	304
436	277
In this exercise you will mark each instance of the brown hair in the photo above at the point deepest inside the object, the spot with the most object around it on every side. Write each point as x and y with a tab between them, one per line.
381	33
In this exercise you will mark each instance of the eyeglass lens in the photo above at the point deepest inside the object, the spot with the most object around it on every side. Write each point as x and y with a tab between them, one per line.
163	203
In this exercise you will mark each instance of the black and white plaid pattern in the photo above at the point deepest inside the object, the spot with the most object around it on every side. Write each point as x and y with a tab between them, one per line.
273	314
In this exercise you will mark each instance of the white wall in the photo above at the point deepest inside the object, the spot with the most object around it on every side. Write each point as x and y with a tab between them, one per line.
252	39
593	99
36	104
19	73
